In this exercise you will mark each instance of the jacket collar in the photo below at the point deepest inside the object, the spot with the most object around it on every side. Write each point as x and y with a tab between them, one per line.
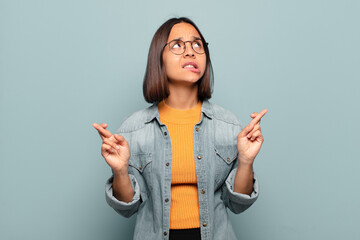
153	111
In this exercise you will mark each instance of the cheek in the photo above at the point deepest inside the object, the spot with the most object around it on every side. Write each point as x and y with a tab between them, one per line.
169	68
170	64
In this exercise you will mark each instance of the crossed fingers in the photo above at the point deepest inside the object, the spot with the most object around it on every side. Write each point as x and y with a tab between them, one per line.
106	136
254	125
104	133
258	117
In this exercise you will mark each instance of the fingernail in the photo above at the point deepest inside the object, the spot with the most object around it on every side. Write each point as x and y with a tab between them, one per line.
117	147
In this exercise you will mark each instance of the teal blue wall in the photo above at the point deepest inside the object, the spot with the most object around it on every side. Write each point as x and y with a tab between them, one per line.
66	64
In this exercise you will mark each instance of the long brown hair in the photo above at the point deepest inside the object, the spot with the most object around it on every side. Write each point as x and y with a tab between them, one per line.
155	85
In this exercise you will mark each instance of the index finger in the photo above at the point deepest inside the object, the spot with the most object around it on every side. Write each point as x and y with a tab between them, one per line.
258	117
103	132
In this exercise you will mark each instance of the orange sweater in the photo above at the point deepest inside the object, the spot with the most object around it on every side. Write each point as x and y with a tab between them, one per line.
184	210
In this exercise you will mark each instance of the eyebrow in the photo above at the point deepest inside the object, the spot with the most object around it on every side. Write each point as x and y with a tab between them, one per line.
180	38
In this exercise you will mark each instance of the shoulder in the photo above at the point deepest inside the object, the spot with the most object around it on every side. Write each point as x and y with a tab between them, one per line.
221	114
138	119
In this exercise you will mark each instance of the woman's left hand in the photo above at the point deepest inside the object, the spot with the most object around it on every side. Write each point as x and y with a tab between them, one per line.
250	139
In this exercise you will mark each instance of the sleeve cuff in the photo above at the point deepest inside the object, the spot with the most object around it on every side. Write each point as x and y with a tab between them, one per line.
120	205
240	197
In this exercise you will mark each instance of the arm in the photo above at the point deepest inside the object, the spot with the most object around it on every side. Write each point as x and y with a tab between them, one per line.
249	142
244	177
124	208
241	189
238	202
122	189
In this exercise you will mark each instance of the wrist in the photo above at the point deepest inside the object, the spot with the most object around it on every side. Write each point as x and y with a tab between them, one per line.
245	162
120	172
245	167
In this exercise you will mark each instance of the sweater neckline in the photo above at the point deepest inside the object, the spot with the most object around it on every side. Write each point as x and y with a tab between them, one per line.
178	116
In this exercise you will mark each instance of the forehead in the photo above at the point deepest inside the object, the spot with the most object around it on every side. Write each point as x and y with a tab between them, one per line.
184	31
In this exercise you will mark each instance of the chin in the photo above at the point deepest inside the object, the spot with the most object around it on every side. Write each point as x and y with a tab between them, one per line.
192	79
189	80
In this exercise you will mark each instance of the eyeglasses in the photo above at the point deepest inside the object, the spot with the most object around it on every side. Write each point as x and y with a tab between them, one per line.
178	46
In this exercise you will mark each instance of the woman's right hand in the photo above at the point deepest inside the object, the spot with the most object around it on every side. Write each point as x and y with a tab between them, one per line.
115	149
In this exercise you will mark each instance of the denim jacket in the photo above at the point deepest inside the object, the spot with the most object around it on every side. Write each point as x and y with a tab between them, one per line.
215	154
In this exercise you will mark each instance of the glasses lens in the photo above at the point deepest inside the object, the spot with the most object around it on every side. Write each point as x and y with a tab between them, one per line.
198	47
177	46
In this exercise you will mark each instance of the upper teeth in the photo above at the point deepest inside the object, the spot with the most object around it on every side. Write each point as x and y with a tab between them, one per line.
189	66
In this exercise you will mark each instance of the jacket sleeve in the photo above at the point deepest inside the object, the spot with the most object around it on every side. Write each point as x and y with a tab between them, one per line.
123	208
238	202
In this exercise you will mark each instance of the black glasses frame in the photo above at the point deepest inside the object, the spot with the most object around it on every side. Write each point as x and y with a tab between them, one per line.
184	49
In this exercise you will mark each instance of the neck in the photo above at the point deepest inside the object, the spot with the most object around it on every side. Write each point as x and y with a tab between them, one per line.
182	96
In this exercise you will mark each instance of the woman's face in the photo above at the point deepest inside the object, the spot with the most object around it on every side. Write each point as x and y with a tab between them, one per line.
188	67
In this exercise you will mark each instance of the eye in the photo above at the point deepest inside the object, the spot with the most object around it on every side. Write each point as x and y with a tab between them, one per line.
175	45
197	44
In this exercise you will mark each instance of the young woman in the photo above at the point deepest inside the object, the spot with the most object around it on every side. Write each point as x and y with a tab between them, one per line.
182	161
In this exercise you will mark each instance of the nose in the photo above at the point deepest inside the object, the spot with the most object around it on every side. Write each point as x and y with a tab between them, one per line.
189	51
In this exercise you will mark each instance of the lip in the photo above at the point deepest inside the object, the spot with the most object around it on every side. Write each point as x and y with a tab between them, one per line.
190	63
195	68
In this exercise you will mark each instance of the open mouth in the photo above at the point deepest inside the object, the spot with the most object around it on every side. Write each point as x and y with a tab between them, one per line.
191	66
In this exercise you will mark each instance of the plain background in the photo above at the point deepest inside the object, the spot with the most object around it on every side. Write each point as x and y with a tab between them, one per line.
66	64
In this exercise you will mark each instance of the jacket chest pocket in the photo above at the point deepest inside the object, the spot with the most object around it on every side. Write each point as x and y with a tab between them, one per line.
142	162
224	160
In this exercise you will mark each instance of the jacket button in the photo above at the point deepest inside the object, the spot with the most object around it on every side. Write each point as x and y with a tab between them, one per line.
202	191
197	129
166	199
165	133
165	233
199	157
167	164
204	224
228	159
140	167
